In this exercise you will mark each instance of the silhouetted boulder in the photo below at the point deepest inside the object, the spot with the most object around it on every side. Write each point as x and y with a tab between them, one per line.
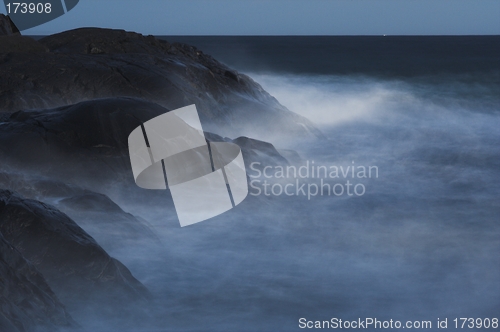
105	220
96	213
79	271
86	64
87	143
104	41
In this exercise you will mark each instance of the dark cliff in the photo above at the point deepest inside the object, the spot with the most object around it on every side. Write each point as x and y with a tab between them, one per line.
86	64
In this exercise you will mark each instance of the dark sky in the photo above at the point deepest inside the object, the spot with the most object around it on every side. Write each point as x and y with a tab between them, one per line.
284	17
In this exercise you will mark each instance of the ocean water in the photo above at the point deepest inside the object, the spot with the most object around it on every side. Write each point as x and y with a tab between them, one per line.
420	243
417	239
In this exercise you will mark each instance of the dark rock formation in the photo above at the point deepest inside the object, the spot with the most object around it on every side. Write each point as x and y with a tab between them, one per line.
86	64
26	299
105	41
112	227
38	188
96	213
72	155
87	143
7	27
79	271
67	106
12	41
258	151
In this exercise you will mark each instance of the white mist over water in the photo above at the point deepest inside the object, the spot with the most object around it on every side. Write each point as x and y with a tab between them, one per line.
420	244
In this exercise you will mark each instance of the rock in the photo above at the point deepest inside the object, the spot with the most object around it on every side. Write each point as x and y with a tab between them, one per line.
38	188
291	156
76	157
86	64
112	227
20	44
262	153
7	27
107	41
12	41
27	302
254	150
79	271
83	142
93	202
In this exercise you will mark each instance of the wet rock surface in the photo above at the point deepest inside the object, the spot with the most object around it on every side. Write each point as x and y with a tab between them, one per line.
91	63
67	105
26	299
20	44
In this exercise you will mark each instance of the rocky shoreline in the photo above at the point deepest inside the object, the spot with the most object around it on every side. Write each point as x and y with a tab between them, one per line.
67	105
